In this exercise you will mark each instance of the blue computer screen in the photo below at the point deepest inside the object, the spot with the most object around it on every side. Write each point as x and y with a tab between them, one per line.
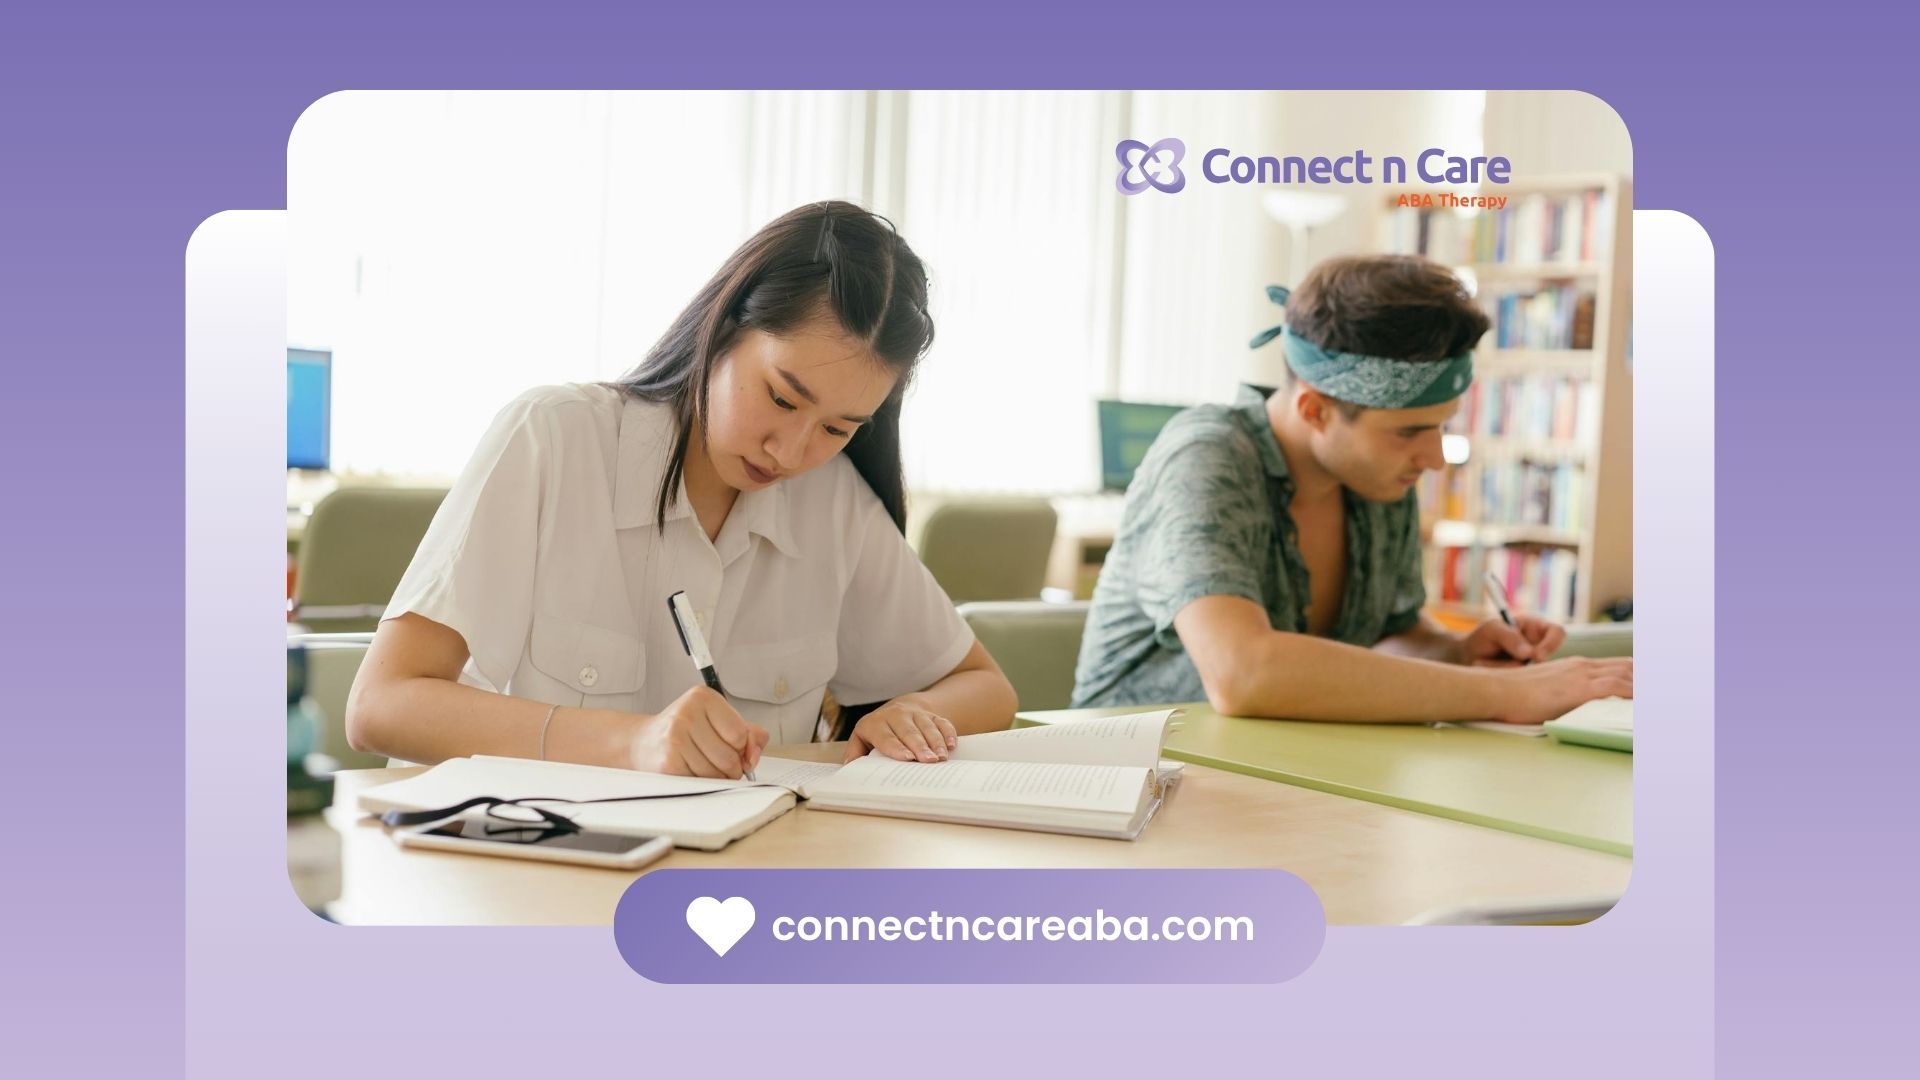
1127	429
309	407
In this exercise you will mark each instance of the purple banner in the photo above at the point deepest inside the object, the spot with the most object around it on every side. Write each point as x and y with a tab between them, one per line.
969	926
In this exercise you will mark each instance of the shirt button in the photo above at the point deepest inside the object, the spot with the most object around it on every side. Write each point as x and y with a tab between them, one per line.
780	687
589	675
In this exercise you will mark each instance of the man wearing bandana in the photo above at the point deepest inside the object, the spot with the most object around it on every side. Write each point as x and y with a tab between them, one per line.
1268	559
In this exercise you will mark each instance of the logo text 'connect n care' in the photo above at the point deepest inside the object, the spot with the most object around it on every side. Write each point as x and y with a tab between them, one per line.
1157	166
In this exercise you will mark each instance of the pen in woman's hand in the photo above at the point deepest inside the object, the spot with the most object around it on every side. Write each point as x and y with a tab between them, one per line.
695	642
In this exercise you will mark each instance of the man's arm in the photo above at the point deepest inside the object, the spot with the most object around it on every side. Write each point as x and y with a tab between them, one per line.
1425	640
1251	669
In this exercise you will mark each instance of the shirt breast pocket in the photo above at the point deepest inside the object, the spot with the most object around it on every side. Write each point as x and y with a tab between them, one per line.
779	684
600	668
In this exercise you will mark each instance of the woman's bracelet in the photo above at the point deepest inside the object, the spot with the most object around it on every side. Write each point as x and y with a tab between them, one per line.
544	725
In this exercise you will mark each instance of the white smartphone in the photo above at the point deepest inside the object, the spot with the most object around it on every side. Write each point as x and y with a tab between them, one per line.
483	836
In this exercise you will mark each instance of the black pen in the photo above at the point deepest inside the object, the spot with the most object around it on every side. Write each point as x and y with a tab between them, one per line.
1498	591
695	642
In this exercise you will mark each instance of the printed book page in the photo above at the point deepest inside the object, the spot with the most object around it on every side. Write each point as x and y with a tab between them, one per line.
1025	783
1134	740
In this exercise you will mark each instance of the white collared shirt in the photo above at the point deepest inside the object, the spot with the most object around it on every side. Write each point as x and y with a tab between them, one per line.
547	559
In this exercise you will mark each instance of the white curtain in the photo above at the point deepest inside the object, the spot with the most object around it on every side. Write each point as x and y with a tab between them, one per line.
1009	197
455	249
447	248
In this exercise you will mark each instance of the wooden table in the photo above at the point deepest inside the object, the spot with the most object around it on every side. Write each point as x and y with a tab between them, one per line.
1370	864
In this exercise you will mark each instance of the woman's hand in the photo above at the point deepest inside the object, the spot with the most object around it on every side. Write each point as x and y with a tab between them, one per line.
905	730
1540	692
698	735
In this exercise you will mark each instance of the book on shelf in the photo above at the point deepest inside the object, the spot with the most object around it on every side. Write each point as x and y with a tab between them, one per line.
1550	229
1531	230
1539	580
1549	317
1542	408
1523	491
1520	492
1443	494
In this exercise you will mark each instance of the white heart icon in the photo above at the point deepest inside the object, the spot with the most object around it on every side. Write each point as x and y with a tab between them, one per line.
720	924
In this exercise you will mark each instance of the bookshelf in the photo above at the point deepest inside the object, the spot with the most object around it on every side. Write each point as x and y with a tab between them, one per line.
1540	488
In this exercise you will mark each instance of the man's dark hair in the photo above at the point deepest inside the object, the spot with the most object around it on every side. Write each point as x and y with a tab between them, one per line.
1402	307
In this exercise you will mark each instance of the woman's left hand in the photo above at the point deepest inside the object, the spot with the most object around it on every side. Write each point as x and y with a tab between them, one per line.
904	730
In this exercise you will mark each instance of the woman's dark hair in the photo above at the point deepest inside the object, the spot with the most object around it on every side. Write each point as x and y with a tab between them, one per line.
830	257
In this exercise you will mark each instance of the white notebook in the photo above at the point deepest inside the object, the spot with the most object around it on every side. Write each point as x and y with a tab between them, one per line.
1529	730
1609	713
706	822
1603	714
1093	777
1606	723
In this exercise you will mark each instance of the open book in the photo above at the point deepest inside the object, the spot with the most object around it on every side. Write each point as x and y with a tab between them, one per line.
1095	777
706	821
1098	777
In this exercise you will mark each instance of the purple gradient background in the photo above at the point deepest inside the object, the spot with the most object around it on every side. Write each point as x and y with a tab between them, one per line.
122	127
1287	925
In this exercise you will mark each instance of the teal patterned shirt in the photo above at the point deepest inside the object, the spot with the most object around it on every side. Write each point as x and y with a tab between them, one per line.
1206	515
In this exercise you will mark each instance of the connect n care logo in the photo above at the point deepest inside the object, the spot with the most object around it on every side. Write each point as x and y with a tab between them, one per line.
1156	166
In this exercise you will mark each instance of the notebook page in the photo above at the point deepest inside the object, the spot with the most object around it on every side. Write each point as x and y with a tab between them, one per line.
702	817
792	774
1134	739
1078	787
1531	730
1605	714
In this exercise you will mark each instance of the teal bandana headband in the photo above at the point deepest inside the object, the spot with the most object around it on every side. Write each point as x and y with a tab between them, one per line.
1373	381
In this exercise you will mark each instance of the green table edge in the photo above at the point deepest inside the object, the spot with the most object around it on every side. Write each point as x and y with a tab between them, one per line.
1351	791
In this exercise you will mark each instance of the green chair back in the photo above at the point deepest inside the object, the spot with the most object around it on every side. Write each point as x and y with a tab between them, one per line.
355	548
988	549
1036	643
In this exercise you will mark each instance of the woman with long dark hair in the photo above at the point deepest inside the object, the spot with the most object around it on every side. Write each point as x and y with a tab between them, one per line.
752	461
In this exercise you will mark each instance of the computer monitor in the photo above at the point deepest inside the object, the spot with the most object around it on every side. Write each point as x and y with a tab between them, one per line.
309	408
1127	429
